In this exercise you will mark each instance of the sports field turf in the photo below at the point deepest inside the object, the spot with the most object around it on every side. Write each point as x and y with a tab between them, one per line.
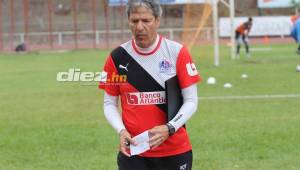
50	125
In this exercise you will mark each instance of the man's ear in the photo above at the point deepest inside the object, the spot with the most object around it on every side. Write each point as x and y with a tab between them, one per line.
157	21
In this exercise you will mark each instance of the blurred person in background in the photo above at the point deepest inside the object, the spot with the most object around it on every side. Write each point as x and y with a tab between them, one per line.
295	33
242	36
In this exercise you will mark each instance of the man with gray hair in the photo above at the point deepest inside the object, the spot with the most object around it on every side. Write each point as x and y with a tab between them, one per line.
145	63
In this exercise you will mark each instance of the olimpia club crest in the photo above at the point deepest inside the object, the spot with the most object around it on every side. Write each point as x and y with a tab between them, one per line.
165	66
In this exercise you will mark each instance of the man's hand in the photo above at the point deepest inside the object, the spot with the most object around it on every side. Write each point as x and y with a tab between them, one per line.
125	141
158	135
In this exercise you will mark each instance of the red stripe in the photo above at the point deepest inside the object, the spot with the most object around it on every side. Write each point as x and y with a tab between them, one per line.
151	52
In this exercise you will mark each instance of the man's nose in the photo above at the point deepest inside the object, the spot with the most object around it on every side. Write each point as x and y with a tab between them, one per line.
140	25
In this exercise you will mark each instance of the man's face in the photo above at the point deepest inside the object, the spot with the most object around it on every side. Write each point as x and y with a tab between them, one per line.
143	26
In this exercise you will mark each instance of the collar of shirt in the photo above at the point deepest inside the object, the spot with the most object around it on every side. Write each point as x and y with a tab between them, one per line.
149	49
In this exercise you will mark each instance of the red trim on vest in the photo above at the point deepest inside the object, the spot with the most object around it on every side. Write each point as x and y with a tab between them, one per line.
153	51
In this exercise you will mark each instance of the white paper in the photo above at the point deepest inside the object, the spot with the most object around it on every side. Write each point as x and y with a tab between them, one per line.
142	141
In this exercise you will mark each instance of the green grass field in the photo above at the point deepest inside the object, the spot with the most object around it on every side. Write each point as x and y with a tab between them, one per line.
50	125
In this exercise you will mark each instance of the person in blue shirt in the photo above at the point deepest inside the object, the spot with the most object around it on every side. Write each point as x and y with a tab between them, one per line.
295	33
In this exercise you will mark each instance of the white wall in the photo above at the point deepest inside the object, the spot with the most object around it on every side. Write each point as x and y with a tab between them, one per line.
262	26
275	3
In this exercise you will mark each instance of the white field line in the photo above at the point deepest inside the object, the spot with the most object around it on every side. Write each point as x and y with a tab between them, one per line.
259	49
276	96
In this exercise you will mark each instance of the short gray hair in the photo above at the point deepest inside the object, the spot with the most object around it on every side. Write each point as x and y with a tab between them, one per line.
153	5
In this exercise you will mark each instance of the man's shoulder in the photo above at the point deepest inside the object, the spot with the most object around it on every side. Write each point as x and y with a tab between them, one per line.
120	49
117	52
172	43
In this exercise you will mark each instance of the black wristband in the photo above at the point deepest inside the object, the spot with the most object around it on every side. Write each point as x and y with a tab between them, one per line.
171	129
